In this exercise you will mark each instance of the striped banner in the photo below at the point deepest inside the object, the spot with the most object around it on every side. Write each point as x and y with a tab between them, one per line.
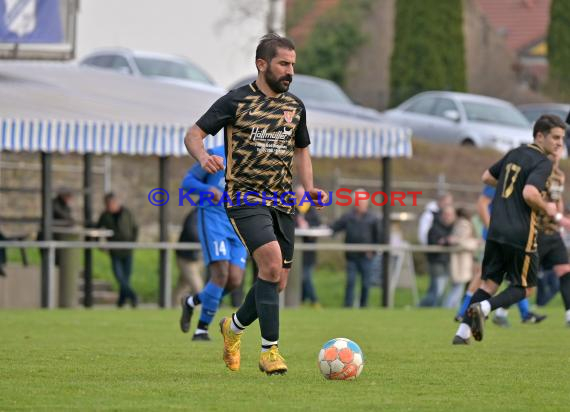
99	137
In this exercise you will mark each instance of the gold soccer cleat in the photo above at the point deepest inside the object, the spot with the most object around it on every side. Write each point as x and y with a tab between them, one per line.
272	363
232	344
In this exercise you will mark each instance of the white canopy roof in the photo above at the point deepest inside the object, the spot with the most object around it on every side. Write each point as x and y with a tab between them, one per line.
63	108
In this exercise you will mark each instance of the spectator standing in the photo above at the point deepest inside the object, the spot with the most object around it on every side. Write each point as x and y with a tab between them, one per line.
438	262
121	221
61	208
431	211
190	280
306	217
360	226
462	235
2	255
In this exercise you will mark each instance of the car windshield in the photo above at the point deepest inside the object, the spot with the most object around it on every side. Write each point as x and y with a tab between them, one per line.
319	91
151	67
488	113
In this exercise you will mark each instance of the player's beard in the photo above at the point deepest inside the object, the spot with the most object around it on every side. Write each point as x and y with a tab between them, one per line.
276	84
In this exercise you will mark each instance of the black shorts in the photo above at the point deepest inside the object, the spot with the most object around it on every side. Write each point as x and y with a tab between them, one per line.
551	250
258	225
502	261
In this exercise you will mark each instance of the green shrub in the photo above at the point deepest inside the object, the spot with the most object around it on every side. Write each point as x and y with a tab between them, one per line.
559	47
429	52
337	34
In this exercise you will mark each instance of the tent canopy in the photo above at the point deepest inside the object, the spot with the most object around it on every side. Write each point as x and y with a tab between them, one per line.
54	107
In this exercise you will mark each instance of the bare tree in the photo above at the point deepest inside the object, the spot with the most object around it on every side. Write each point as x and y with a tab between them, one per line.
241	11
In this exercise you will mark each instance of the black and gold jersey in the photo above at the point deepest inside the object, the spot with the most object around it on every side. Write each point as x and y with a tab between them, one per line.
555	185
261	134
553	193
513	222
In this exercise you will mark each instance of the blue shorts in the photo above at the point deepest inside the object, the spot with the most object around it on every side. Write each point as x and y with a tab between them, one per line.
219	239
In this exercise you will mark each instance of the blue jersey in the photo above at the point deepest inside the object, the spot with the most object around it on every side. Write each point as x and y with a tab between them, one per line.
218	237
488	192
202	182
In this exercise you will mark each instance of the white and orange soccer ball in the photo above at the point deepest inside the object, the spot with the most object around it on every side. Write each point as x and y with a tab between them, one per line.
341	359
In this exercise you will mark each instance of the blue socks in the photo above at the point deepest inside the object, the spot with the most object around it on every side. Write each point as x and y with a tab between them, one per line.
524	308
210	298
465	304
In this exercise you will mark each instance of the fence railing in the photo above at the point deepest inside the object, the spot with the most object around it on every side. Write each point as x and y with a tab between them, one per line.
430	189
51	246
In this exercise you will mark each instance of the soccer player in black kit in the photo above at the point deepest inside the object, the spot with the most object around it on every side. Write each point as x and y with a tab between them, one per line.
511	248
551	248
265	129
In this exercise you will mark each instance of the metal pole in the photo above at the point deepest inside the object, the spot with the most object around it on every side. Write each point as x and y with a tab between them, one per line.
50	282
336	186
168	279
88	219
271	17
107	172
163	220
47	220
72	28
386	210
292	293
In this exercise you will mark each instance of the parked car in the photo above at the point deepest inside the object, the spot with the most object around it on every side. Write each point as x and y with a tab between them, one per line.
466	119
324	95
164	67
535	110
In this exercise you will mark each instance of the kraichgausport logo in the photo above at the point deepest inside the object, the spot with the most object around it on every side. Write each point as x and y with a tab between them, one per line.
340	197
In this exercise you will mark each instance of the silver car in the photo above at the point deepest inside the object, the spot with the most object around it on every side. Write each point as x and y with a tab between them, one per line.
158	66
533	111
466	119
323	95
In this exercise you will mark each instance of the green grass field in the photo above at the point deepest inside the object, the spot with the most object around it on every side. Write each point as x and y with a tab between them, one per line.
106	359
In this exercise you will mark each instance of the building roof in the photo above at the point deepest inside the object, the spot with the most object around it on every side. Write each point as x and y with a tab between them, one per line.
522	22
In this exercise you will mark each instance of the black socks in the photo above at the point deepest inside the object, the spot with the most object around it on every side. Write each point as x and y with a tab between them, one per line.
565	289
479	296
267	303
247	312
511	295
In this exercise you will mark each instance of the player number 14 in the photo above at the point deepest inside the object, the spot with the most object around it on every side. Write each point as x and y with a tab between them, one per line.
220	248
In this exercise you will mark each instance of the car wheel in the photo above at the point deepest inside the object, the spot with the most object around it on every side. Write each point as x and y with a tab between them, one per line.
468	142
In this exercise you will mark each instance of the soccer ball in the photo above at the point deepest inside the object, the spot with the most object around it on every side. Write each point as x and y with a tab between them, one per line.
341	359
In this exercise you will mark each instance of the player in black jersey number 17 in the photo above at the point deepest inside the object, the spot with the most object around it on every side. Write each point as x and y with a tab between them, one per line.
511	248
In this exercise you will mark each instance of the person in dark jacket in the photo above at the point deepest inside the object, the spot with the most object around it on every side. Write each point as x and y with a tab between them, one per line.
189	263
61	208
62	216
122	222
438	263
2	255
360	226
306	217
567	137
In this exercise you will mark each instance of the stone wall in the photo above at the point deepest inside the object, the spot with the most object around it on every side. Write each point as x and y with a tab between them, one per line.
131	178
